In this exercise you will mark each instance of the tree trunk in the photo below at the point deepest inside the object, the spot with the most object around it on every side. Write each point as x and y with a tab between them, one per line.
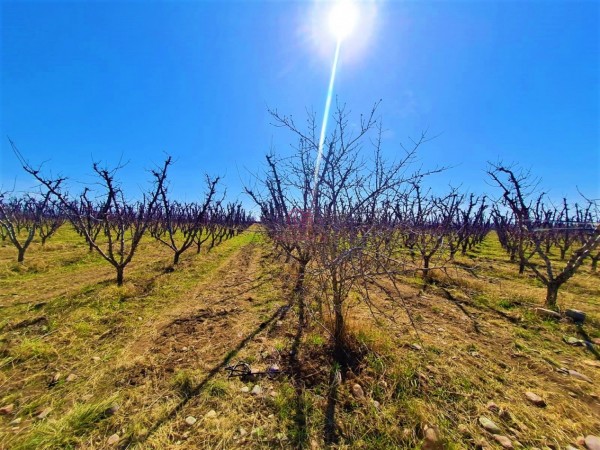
595	264
338	333
21	256
176	258
522	266
299	293
426	277
120	271
551	295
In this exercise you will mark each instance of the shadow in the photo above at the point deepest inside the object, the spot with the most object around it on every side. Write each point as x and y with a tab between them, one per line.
211	374
300	436
588	341
330	431
460	306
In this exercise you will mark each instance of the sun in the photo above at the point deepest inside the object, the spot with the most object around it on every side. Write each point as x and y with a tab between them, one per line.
342	18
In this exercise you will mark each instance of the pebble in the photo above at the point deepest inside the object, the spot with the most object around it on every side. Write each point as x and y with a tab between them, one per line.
503	441
190	420
432	439
44	413
243	432
376	404
592	442
580	441
245	389
463	429
573	341
113	439
547	313
579	376
211	414
489	425
416	347
358	392
491	406
535	399
17	421
6	410
95	358
596	341
71	377
111	410
257	390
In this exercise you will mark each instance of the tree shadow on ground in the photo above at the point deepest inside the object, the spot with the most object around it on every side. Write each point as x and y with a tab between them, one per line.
588	341
211	374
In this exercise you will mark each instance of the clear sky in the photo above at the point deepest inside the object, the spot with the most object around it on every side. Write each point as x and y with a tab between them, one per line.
84	81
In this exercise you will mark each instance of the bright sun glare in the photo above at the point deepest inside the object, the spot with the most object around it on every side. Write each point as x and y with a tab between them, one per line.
342	18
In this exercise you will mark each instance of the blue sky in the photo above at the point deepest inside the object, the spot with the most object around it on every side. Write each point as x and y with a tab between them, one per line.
84	81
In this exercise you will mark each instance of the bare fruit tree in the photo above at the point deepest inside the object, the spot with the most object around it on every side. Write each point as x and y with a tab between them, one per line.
122	224
177	225
333	222
22	218
517	191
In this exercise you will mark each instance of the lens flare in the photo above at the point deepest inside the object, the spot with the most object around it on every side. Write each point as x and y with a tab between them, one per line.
325	118
342	19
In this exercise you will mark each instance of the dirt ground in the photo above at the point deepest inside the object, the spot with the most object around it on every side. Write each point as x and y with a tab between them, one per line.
87	364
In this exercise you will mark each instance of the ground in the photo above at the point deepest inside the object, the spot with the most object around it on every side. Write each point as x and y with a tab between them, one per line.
134	366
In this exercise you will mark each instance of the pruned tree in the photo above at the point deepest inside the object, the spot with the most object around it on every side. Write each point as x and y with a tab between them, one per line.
177	225
122	223
329	220
22	218
52	219
517	190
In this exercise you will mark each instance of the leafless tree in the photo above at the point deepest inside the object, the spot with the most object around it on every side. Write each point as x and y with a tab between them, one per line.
332	223
177	225
517	190
53	218
122	223
22	218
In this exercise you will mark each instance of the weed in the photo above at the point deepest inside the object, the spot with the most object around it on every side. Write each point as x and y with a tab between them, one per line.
217	388
64	432
315	340
32	349
183	382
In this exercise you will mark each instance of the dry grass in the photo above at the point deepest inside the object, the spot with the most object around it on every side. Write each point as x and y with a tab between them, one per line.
157	347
